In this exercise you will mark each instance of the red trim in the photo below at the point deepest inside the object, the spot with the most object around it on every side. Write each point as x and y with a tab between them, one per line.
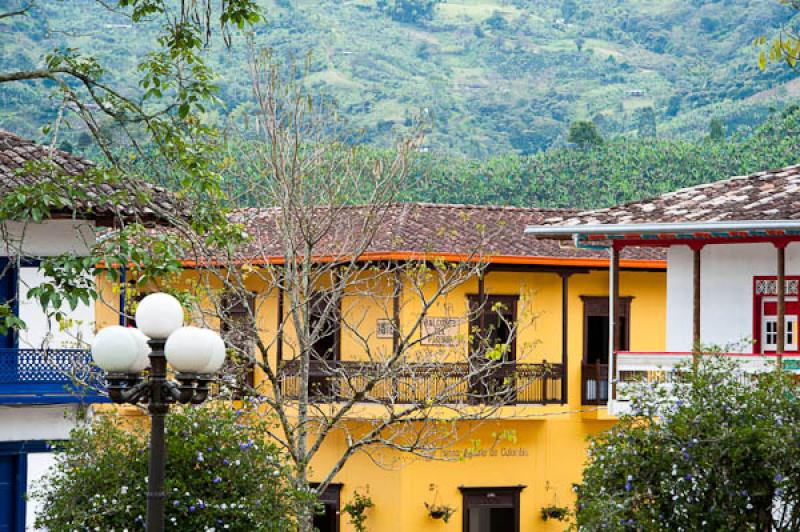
757	299
668	240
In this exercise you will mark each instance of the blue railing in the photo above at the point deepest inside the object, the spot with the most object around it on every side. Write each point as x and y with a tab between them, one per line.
48	376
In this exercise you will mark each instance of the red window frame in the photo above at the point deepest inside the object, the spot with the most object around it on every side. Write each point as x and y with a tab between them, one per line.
757	305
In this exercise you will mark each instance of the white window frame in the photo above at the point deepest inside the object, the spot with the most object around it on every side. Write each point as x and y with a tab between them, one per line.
790	328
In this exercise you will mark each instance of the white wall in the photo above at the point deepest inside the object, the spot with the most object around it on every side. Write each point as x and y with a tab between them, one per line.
46	239
41	332
726	291
45	422
38	465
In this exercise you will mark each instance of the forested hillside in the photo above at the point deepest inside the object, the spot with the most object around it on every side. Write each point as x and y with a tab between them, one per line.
490	76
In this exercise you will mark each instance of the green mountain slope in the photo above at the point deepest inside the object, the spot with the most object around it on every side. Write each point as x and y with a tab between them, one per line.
492	76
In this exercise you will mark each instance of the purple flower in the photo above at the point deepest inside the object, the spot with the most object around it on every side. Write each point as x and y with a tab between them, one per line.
779	492
201	505
192	508
175	503
226	462
778	477
689	477
217	480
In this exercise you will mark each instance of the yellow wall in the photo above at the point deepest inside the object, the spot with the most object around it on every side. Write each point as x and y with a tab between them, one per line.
550	441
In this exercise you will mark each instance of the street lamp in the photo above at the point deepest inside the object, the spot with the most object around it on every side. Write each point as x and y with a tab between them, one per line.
124	353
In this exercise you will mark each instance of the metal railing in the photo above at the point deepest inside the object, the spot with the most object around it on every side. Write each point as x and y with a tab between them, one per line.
413	383
594	384
48	376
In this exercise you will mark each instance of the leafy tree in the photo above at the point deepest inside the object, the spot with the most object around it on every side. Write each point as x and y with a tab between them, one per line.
715	450
716	130
568	9
223	474
584	133
408	11
646	119
496	21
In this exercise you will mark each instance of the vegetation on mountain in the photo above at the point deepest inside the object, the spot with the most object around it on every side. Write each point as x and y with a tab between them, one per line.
490	76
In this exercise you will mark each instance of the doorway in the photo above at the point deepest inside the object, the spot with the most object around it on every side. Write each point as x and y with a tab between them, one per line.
328	518
491	509
596	328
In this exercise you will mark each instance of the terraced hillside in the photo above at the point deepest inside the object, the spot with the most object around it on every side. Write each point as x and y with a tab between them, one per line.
491	76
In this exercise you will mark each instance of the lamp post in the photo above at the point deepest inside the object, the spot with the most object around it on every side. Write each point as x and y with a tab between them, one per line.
124	353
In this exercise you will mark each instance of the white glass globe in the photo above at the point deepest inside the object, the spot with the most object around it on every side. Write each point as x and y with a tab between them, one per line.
217	347
115	349
143	358
158	315
188	350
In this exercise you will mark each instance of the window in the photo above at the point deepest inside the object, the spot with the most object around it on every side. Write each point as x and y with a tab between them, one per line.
491	509
596	327
498	316
238	330
324	325
769	334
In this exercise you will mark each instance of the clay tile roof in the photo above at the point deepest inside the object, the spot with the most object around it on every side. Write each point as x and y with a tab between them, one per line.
25	163
432	229
771	195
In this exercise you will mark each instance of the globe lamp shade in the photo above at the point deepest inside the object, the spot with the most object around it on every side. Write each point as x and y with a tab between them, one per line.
188	350
115	349
143	356
158	315
217	347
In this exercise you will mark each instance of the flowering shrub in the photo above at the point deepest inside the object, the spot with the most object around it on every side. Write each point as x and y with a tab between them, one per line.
221	475
716	450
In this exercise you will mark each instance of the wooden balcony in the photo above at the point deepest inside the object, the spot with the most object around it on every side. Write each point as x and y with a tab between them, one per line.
416	383
47	376
594	384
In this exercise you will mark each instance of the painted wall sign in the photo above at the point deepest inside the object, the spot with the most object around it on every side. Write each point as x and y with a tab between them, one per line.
439	331
383	329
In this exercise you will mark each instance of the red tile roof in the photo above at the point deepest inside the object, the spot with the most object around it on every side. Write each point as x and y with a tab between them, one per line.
491	232
26	163
770	195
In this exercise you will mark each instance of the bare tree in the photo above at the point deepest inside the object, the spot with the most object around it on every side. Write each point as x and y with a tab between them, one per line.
314	295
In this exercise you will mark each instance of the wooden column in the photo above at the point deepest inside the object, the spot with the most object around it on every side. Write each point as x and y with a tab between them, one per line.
781	290
696	252
397	289
482	302
279	330
613	322
564	335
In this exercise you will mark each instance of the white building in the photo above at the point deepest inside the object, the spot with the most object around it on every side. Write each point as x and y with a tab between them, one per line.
39	365
733	270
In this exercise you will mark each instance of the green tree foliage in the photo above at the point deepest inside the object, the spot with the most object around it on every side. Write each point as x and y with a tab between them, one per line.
221	475
617	171
568	9
584	133
646	120
408	11
715	451
716	130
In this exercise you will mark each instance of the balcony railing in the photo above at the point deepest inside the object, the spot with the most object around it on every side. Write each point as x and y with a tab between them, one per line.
413	383
37	376
594	384
659	367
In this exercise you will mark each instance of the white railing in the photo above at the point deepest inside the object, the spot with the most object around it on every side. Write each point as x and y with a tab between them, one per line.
659	367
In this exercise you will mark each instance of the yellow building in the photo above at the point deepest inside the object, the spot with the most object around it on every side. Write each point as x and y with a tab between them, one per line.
499	472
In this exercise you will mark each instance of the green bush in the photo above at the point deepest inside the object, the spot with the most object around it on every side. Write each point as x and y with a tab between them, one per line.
220	475
716	450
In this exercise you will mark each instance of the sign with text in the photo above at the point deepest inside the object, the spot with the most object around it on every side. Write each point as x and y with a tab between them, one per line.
439	331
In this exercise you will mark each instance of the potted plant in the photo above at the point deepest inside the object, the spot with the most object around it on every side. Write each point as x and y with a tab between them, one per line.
357	510
551	511
440	511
